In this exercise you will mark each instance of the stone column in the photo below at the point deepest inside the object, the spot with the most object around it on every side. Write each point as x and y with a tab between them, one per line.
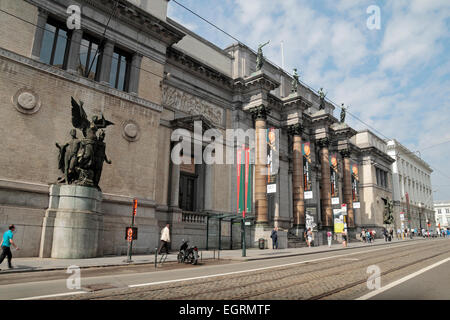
133	85
105	67
325	188
39	35
260	115
347	187
297	176
174	185
73	58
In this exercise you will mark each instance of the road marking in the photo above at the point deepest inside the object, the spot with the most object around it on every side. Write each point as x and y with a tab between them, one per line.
396	283
53	295
258	269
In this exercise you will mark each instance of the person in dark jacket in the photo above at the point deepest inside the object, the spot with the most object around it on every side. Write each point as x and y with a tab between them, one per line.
274	236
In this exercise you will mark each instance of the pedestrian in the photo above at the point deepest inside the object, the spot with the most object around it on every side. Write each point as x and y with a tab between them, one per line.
391	235
385	234
363	235
344	238
329	238
274	236
309	235
7	241
165	239
399	232
368	236
374	233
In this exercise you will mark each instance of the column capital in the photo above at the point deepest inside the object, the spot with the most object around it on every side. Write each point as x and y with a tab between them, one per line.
260	112
323	143
345	153
295	129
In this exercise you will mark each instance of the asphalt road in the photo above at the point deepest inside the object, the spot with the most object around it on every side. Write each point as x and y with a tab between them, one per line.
331	275
432	284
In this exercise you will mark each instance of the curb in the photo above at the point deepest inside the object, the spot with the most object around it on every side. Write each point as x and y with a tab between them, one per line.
6	271
318	252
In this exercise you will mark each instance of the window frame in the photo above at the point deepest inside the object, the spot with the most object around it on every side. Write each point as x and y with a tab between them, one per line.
92	39
58	25
128	59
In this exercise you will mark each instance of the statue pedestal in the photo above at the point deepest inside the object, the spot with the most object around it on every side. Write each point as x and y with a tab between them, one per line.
73	223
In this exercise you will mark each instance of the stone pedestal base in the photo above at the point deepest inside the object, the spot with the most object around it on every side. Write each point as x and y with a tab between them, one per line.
264	232
297	231
73	223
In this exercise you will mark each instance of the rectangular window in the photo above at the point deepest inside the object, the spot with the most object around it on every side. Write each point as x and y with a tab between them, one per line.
439	211
90	57
120	70
447	210
55	44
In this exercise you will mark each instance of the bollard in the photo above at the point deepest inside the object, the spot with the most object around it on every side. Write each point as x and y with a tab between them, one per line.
218	255
156	257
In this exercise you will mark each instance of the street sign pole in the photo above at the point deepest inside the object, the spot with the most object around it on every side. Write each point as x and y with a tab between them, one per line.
243	237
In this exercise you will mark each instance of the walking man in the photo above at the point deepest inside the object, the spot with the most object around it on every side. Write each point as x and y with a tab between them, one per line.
274	236
6	245
165	239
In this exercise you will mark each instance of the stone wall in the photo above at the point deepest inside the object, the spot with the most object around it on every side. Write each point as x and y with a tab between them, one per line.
10	26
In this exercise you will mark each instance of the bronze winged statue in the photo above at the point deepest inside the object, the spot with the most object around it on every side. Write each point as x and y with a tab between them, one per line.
81	160
80	120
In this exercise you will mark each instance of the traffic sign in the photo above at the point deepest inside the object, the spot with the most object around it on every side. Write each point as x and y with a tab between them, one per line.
131	233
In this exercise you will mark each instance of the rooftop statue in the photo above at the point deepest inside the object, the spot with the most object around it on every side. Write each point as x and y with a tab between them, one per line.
343	113
81	160
295	81
322	96
260	56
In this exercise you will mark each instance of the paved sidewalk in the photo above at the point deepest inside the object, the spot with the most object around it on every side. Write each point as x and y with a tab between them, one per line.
47	264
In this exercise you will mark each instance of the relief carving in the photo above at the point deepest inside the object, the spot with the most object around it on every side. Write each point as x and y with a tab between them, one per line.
192	105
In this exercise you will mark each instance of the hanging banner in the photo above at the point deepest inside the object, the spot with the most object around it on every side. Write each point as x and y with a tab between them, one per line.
355	181
272	155
338	219
244	175
310	219
334	175
306	152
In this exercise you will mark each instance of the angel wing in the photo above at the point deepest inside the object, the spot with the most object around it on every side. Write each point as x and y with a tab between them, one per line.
79	117
102	123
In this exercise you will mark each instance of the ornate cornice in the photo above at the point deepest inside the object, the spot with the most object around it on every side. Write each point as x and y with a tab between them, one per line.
257	80
141	19
260	112
201	69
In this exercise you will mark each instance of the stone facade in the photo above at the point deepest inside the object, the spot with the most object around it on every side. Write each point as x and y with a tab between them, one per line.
175	79
413	195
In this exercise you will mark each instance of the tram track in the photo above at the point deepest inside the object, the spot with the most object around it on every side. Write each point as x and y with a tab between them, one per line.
250	281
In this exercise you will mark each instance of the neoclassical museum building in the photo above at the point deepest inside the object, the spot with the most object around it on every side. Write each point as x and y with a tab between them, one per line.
150	76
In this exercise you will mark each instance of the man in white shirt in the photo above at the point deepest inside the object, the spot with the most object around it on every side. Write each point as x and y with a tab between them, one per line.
165	239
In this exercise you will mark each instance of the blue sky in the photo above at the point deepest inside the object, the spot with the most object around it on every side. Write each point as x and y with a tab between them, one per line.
396	79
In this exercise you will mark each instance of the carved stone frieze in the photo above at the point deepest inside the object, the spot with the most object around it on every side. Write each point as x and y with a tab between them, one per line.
192	105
